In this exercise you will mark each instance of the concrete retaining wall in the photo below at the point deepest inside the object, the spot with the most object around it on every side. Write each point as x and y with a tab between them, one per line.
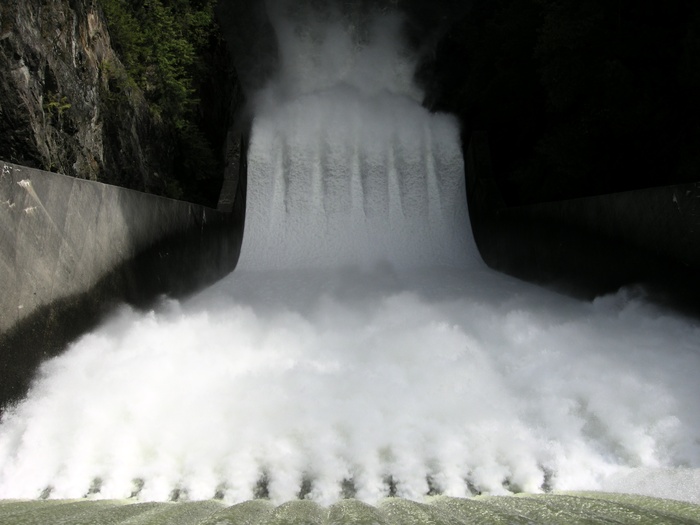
663	221
591	245
70	249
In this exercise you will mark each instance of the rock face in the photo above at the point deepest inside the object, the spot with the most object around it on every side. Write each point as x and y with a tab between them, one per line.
65	102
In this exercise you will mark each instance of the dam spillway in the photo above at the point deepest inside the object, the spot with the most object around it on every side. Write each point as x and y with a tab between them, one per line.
356	179
361	349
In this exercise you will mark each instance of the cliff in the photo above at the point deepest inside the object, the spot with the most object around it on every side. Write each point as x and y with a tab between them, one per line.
65	102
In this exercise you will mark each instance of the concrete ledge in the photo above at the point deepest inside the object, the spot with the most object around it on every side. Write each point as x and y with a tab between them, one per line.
663	221
70	249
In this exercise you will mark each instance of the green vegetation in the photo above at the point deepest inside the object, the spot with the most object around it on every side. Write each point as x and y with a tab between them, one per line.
55	104
163	45
159	42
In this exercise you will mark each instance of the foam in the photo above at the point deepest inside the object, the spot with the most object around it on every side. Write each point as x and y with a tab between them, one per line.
360	348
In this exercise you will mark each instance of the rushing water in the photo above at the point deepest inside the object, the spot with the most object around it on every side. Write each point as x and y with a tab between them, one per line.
361	348
549	509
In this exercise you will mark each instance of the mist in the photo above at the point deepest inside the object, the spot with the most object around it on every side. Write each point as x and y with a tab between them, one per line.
361	348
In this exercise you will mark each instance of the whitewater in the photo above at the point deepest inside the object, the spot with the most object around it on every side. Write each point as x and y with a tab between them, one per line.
361	348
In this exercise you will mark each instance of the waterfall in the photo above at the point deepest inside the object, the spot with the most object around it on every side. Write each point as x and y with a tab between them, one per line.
360	349
345	166
339	178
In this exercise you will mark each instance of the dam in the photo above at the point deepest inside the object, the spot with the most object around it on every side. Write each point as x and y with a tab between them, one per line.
361	364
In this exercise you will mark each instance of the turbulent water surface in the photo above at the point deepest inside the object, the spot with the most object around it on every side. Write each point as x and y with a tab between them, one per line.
361	348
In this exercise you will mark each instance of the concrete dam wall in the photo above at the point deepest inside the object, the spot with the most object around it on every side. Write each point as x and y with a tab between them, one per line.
592	245
70	249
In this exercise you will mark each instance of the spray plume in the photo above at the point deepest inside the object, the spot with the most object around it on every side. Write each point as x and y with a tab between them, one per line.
361	348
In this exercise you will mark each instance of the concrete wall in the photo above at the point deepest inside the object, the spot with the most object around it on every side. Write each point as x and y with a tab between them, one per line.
591	245
70	249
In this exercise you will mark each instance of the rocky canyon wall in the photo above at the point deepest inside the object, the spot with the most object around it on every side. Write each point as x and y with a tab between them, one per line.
66	104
